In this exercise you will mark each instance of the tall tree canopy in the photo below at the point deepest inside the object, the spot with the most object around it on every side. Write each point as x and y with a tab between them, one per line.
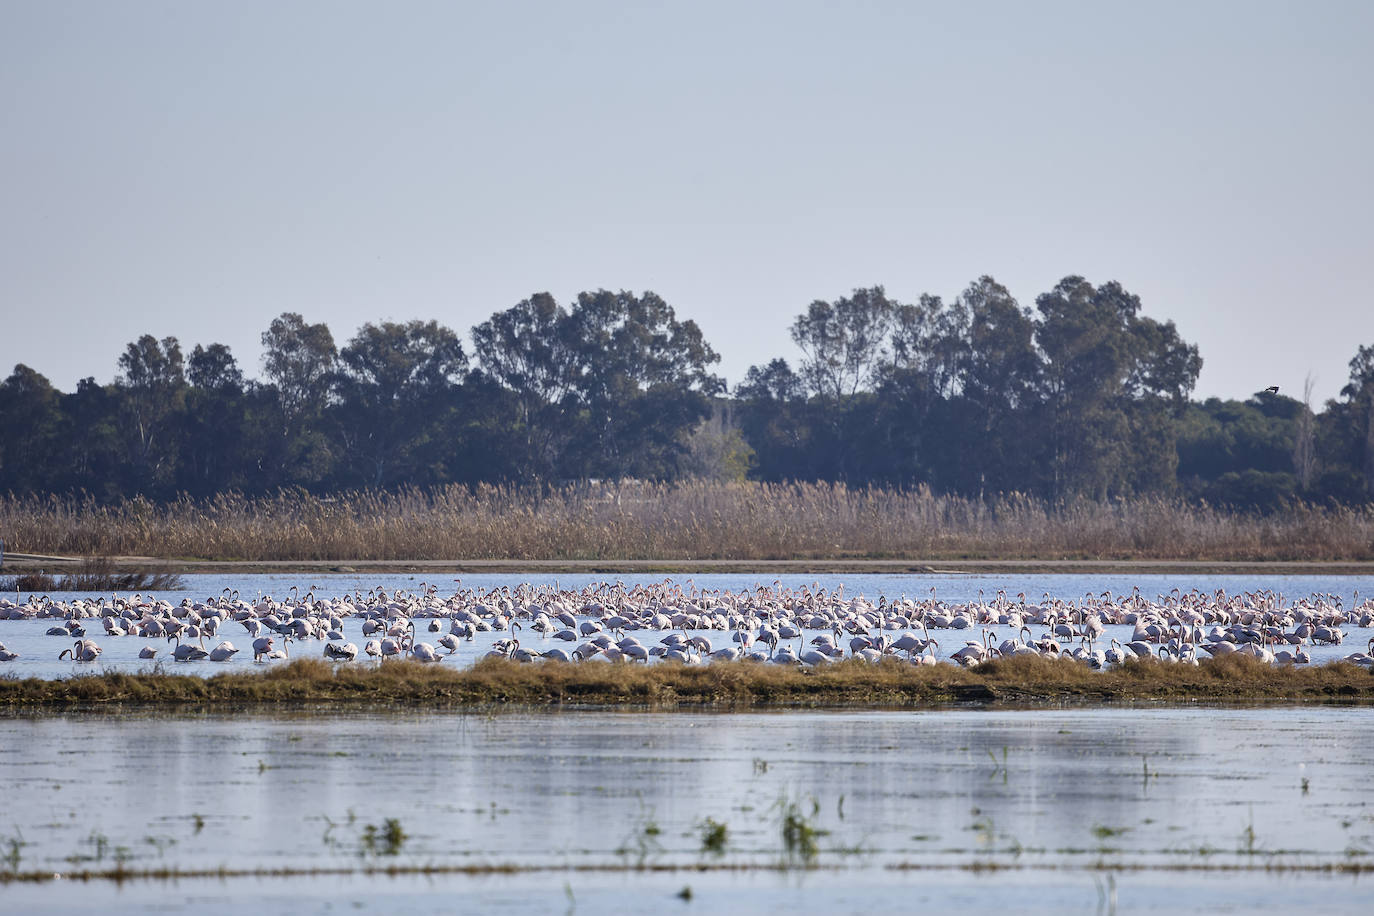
1081	396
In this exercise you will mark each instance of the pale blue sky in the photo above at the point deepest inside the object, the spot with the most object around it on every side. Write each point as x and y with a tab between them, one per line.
196	169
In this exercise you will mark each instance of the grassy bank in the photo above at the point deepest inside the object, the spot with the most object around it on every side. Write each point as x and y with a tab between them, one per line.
1024	680
692	521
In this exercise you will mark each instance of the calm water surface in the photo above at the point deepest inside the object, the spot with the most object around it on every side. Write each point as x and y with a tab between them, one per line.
1072	803
1057	795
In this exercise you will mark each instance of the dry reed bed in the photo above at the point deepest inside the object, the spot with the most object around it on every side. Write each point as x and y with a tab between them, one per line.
688	521
1024	680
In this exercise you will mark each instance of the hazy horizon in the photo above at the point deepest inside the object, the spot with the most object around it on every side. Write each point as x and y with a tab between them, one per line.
196	170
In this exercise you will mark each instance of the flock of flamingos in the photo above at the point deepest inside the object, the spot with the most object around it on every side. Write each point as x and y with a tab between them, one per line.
665	621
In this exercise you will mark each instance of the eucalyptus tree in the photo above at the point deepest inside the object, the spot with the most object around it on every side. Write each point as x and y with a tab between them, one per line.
152	384
299	361
393	405
776	421
997	393
642	381
844	342
530	351
1359	395
221	443
31	415
1109	382
610	387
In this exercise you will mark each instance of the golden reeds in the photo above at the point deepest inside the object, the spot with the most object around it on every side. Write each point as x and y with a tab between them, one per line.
682	521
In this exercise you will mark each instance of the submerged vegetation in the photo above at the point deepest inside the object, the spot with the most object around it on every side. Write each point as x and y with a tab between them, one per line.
685	521
494	682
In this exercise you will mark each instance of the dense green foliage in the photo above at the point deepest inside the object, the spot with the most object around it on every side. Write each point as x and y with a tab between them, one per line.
1082	396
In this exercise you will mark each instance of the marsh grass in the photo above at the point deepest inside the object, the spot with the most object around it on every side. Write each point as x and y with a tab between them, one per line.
691	520
96	574
1023	680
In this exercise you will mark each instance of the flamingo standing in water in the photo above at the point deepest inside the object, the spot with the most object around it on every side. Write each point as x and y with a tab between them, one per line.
263	648
186	652
83	650
424	652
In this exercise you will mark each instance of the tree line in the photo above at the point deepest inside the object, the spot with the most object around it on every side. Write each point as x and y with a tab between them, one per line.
1080	396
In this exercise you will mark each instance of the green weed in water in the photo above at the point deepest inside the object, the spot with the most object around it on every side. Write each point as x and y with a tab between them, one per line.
14	850
642	841
800	835
714	836
386	840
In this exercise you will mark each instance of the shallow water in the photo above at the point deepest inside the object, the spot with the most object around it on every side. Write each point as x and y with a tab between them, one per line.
1063	797
747	893
38	652
949	586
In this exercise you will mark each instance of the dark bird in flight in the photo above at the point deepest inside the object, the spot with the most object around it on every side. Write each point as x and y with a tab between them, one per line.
1272	389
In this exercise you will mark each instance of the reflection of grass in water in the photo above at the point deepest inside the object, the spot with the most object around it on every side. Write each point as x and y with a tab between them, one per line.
642	840
999	767
985	830
1248	839
160	843
100	845
328	838
1106	893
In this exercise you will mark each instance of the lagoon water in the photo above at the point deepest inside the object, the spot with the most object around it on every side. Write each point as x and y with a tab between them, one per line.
1129	809
1163	809
38	652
